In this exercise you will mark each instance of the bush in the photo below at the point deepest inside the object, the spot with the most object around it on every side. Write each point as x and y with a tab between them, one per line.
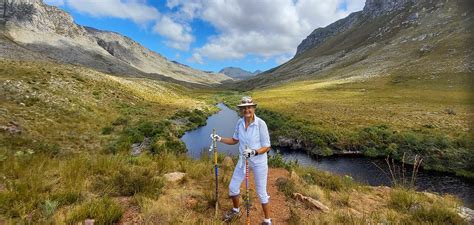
435	214
327	180
128	182
286	186
107	130
103	211
120	121
66	197
49	207
402	200
277	161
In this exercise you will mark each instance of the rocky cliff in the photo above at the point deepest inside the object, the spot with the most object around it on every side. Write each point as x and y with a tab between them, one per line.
51	33
372	9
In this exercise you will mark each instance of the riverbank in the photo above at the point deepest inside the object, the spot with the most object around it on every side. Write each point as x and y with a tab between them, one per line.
440	152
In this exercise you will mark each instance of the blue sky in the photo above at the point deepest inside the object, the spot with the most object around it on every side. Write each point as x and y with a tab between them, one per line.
212	34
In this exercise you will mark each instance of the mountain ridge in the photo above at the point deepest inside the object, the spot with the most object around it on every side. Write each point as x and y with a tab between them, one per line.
52	32
385	38
238	73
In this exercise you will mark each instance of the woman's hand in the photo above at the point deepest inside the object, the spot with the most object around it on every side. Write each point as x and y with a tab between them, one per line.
215	137
249	153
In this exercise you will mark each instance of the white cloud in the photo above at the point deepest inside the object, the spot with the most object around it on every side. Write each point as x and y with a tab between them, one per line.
179	35
54	2
266	28
282	59
196	58
136	10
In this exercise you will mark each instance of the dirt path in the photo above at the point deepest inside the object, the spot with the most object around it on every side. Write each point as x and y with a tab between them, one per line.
279	209
278	206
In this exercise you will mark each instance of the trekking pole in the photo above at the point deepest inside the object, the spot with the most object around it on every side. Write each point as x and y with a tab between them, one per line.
247	197
214	143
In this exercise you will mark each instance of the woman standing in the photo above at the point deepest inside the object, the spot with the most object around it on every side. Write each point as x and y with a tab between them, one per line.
252	135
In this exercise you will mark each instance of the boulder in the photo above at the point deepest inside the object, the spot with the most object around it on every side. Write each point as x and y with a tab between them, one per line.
467	214
137	148
312	203
11	128
174	177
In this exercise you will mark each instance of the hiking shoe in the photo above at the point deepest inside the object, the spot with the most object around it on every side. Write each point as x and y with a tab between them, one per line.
231	215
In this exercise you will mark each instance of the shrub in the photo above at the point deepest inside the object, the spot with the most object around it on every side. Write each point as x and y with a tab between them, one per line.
435	214
276	161
128	182
402	199
120	121
66	197
103	211
286	186
327	180
107	130
49	207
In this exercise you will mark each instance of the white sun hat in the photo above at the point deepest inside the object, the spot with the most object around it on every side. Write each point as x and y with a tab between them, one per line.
246	101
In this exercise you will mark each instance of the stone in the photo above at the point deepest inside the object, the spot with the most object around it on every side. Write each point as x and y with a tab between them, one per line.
174	177
425	49
312	203
137	148
430	195
467	214
12	128
89	222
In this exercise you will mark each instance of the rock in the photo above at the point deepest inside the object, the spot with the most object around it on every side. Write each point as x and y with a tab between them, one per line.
291	143
313	203
430	195
425	49
318	36
11	128
467	214
138	147
228	162
89	222
174	177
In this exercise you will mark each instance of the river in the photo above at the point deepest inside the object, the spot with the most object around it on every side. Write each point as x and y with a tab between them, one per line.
362	169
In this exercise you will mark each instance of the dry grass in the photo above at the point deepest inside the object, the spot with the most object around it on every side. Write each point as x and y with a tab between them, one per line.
370	205
345	104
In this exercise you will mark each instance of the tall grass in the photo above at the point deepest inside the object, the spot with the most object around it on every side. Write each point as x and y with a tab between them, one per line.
103	211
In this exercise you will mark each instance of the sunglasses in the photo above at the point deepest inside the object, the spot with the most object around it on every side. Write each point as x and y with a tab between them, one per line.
246	107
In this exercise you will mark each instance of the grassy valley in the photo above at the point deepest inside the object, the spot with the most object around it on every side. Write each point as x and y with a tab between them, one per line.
428	115
66	140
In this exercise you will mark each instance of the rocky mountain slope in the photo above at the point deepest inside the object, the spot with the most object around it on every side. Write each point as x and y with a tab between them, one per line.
238	73
47	32
387	37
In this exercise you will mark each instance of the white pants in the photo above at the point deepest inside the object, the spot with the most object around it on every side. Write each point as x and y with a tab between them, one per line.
260	173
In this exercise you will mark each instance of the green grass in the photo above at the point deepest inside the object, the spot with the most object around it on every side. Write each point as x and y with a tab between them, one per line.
103	211
393	115
74	148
